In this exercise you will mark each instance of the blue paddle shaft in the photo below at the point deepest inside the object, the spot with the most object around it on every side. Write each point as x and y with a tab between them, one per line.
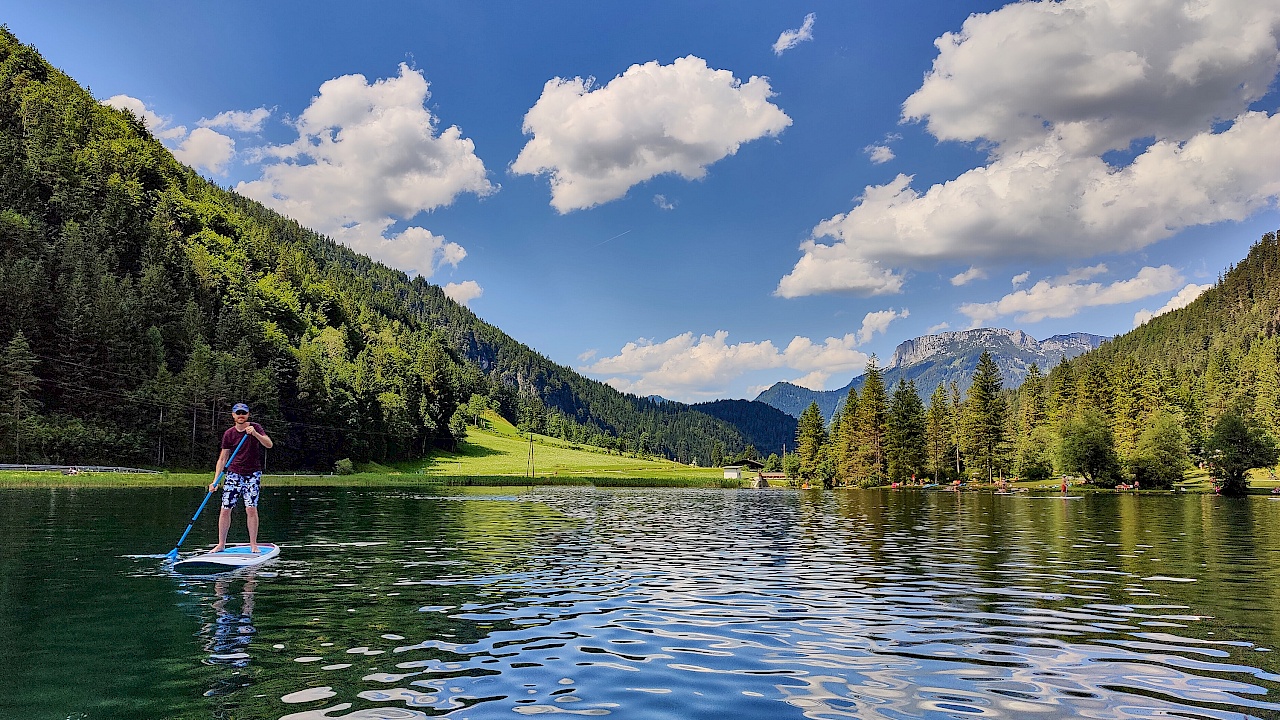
174	552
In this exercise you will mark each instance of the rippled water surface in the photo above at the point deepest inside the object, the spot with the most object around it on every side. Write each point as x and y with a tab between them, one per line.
401	604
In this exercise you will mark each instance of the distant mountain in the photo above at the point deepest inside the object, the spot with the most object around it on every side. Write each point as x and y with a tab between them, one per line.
934	359
764	426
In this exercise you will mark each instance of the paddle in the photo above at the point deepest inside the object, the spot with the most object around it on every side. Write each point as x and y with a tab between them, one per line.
173	554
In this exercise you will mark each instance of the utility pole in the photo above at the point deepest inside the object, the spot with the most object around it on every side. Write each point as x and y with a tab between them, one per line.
191	455
531	466
160	441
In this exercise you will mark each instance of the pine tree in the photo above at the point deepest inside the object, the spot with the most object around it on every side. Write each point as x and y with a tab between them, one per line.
1062	392
811	435
18	384
985	417
873	409
938	422
832	451
1032	399
906	442
957	426
846	441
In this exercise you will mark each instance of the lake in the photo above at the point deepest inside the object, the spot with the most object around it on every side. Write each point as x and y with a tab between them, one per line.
398	604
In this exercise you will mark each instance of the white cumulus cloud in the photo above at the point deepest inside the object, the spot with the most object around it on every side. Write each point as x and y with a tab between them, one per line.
1021	278
367	156
206	148
463	292
878	322
244	121
597	143
1184	298
1047	88
694	367
791	38
1098	73
968	276
1065	296
879	154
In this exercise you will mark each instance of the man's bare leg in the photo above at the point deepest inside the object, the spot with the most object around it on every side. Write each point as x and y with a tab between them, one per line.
224	524
251	520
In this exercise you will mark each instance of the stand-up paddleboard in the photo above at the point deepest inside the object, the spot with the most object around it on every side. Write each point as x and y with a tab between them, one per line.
1056	497
230	558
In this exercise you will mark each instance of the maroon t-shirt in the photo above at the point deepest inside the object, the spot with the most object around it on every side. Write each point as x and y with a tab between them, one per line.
249	459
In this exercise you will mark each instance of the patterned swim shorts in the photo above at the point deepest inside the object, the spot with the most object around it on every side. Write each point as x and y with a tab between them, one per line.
236	486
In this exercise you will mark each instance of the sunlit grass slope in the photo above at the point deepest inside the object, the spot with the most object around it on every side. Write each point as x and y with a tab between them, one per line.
499	449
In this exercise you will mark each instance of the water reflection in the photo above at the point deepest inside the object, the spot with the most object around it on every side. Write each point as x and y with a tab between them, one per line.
640	603
229	633
768	605
232	628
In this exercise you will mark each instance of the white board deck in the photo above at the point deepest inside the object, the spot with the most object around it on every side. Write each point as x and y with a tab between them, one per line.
231	557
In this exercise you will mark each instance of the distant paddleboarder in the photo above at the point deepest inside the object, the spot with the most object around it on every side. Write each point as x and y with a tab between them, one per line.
244	474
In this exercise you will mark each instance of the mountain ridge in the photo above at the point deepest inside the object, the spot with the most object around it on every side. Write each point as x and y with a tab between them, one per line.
943	358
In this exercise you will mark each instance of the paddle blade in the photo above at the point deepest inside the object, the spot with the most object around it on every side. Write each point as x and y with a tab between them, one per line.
171	555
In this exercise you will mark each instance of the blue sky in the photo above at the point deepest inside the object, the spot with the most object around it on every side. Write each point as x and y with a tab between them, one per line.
699	199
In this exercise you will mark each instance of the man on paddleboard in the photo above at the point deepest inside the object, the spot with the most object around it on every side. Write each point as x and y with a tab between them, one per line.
244	473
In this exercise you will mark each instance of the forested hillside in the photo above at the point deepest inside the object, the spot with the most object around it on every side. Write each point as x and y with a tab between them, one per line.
1200	384
1217	354
767	428
139	300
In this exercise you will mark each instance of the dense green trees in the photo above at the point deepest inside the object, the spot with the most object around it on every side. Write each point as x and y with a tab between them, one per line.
1200	384
1089	449
1161	455
1234	447
877	439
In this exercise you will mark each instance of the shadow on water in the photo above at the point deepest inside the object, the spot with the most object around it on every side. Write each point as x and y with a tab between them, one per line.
395	604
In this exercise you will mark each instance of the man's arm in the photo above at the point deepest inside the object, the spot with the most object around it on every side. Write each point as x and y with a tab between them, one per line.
260	435
217	471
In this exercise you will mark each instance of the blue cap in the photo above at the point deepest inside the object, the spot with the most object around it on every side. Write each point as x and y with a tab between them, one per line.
239	407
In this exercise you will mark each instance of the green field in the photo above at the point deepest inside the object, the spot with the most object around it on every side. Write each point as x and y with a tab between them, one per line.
500	450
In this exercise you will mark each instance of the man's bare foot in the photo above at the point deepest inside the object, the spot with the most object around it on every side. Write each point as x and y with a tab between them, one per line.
218	548
253	549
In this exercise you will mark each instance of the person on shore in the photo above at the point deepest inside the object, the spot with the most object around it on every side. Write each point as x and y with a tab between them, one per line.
244	473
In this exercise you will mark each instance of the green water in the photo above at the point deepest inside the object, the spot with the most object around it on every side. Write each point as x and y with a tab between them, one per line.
644	604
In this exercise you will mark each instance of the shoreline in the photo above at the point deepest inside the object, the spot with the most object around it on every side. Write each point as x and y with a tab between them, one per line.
34	480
